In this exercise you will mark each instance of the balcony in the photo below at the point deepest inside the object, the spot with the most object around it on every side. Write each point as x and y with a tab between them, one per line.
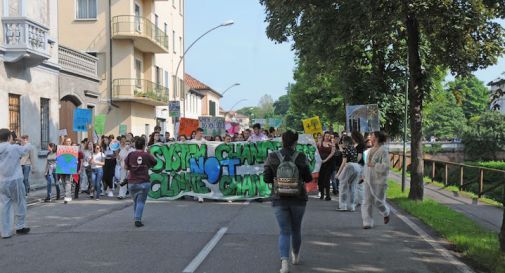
141	91
146	36
24	39
77	63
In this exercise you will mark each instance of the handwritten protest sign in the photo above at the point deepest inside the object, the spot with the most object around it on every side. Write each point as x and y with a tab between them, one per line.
62	132
217	170
187	126
232	127
122	129
260	121
82	118
313	126
66	159
212	126
174	108
363	118
275	122
100	124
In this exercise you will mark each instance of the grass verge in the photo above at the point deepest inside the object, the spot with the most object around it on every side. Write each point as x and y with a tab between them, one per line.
475	243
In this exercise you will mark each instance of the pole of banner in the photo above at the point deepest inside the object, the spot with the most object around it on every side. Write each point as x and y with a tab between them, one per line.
405	124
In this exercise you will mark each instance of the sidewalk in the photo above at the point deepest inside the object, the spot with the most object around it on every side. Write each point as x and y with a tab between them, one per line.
487	216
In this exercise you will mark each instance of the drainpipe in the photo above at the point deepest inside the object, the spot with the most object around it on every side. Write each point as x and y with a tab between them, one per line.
109	78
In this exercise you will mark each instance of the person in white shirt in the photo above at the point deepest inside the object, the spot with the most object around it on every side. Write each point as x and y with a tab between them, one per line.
257	134
123	172
199	140
26	164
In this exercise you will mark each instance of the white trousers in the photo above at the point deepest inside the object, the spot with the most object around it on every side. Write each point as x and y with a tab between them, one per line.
374	196
12	202
122	176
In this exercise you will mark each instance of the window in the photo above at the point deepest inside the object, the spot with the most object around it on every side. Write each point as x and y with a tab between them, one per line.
158	76
137	18
138	72
15	114
180	45
212	108
157	29
86	9
44	123
165	29
167	87
173	40
174	80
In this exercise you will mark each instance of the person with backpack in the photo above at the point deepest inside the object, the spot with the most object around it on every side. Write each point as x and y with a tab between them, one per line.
288	171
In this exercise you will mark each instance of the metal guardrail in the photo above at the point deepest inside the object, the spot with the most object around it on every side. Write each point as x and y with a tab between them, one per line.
396	159
139	26
140	89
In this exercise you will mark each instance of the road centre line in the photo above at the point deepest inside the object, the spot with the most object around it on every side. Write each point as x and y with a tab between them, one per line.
463	268
195	263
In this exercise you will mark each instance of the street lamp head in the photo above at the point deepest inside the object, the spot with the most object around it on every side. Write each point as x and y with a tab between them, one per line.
227	23
236	84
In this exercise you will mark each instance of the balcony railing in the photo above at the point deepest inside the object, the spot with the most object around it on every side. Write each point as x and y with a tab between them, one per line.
142	91
146	35
24	38
77	62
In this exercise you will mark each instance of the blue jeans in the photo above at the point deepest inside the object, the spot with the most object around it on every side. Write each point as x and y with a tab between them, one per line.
289	219
51	178
334	181
26	176
97	180
139	193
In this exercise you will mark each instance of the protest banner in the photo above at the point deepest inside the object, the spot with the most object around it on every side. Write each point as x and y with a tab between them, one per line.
174	108
274	122
217	170
260	121
62	132
82	118
232	127
362	118
66	159
212	126
313	126
122	129
187	126
100	124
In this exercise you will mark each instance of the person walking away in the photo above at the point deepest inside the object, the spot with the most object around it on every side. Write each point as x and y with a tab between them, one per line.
109	167
26	164
360	146
138	164
326	151
97	162
348	175
123	173
289	206
50	172
376	173
12	189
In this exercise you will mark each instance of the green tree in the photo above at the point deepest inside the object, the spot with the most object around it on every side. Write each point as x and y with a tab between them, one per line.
266	107
462	36
485	136
471	94
443	117
281	106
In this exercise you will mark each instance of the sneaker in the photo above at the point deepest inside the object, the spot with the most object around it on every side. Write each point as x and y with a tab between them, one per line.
67	199
6	237
138	224
339	209
47	200
386	220
296	258
284	266
367	227
23	231
200	200
98	199
328	198
110	194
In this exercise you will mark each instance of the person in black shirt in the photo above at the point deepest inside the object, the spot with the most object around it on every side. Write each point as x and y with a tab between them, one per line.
289	211
359	144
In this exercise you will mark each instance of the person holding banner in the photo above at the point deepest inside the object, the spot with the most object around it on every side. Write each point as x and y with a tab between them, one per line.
257	134
289	210
199	140
67	179
12	189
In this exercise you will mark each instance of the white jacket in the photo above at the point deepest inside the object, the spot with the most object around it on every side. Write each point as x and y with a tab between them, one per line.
379	173
10	156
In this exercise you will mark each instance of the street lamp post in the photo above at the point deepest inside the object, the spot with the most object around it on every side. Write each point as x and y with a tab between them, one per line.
224	24
242	100
231	86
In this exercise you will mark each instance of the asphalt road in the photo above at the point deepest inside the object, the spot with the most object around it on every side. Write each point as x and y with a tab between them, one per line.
99	236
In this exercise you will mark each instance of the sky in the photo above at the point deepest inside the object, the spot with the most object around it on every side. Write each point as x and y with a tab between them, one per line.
242	53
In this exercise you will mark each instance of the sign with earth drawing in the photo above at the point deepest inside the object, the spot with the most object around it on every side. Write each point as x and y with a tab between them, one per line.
217	170
66	159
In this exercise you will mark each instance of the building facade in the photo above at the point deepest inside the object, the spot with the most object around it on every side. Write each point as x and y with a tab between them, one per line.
496	85
29	73
138	44
210	103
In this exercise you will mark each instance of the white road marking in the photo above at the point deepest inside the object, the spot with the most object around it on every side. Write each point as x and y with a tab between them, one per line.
195	263
463	268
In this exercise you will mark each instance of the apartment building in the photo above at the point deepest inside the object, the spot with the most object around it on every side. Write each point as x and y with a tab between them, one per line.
29	73
498	84
138	44
210	101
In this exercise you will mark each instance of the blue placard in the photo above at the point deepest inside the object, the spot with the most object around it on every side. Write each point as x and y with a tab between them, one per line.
82	118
